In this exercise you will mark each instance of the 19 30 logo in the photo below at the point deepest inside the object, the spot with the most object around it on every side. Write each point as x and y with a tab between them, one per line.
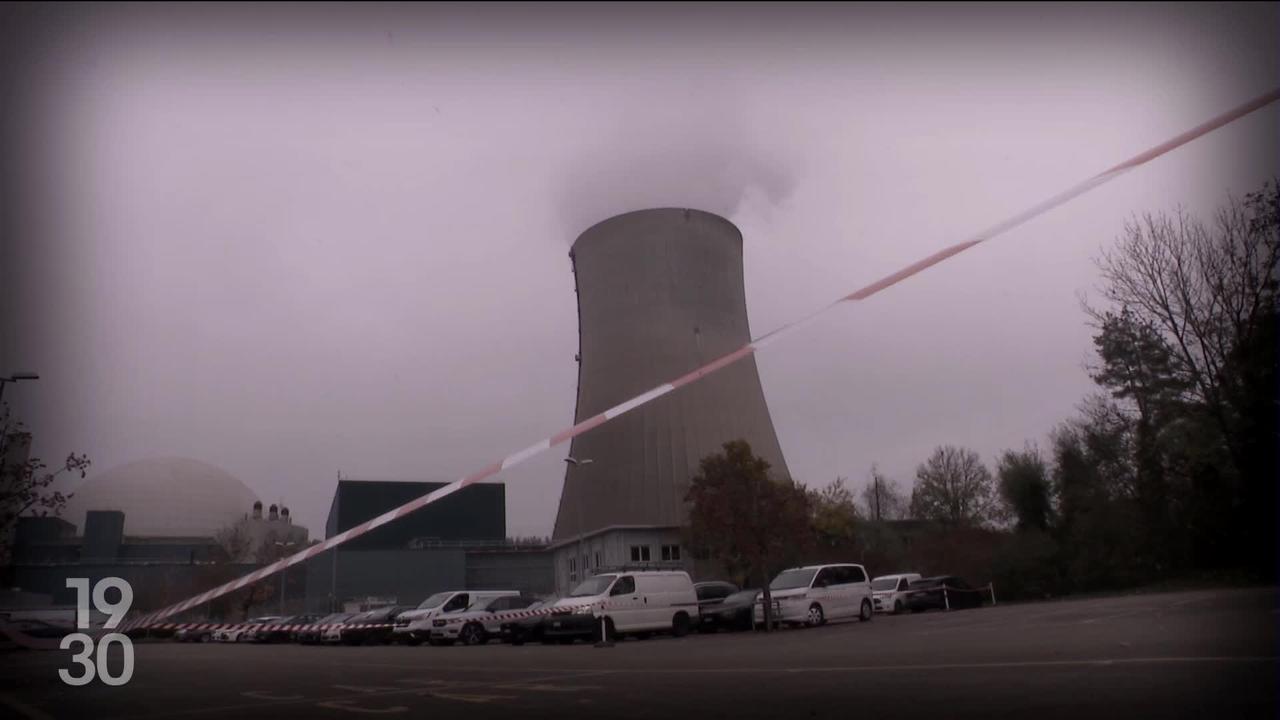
93	655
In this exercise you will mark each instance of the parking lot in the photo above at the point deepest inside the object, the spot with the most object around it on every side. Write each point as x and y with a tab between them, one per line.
1201	654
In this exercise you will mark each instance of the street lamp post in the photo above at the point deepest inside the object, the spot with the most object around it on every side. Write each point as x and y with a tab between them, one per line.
283	573
604	637
580	463
16	377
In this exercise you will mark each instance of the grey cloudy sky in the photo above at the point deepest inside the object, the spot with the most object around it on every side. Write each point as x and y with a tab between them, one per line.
295	240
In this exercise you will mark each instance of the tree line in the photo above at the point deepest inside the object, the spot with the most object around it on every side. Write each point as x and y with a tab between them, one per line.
1167	470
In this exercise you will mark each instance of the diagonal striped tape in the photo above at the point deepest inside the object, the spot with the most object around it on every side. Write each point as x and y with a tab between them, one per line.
748	349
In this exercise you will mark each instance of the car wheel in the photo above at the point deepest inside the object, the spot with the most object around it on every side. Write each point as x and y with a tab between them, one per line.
680	625
867	613
897	607
815	617
472	634
412	642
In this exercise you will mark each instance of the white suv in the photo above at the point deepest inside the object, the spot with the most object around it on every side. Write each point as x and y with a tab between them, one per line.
814	594
890	592
414	626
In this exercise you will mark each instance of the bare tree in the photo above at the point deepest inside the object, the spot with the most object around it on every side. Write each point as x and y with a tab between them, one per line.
953	486
835	515
236	542
1207	295
1188	347
25	481
883	498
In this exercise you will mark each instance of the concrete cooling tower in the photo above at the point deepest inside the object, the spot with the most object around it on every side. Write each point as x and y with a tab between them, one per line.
660	293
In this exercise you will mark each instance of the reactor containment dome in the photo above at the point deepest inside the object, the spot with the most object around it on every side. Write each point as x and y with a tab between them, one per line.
164	497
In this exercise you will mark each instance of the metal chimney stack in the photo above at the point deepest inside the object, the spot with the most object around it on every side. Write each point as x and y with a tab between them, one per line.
660	292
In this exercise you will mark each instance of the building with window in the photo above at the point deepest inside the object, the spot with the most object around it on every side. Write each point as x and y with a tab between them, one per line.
660	294
617	547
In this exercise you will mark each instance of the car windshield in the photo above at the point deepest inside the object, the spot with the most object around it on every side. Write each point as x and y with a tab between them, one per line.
593	586
790	579
884	583
742	598
489	603
435	601
926	583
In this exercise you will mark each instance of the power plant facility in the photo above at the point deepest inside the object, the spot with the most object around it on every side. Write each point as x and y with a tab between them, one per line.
660	293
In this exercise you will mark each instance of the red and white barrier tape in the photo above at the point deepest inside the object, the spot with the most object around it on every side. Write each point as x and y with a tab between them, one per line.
751	347
264	628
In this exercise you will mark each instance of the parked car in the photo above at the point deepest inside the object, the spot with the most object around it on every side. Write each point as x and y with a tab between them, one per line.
477	624
942	592
282	630
372	627
239	633
314	632
518	632
148	632
194	634
637	603
889	592
731	613
712	592
414	626
814	594
36	628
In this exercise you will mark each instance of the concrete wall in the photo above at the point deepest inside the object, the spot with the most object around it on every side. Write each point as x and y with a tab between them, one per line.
660	293
530	572
409	576
103	534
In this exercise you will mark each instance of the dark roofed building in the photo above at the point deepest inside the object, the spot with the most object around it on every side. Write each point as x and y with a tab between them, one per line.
475	513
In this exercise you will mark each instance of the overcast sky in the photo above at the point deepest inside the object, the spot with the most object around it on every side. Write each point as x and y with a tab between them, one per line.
303	240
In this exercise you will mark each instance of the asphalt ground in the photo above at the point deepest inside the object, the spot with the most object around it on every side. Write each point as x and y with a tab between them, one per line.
1204	654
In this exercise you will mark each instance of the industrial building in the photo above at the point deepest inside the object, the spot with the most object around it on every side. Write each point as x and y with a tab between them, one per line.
458	542
660	293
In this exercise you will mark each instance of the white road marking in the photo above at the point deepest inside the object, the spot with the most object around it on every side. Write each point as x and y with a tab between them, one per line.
470	697
419	691
262	695
366	688
544	687
346	705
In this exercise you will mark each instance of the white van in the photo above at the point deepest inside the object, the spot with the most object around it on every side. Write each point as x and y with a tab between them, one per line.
889	592
814	594
637	602
414	626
